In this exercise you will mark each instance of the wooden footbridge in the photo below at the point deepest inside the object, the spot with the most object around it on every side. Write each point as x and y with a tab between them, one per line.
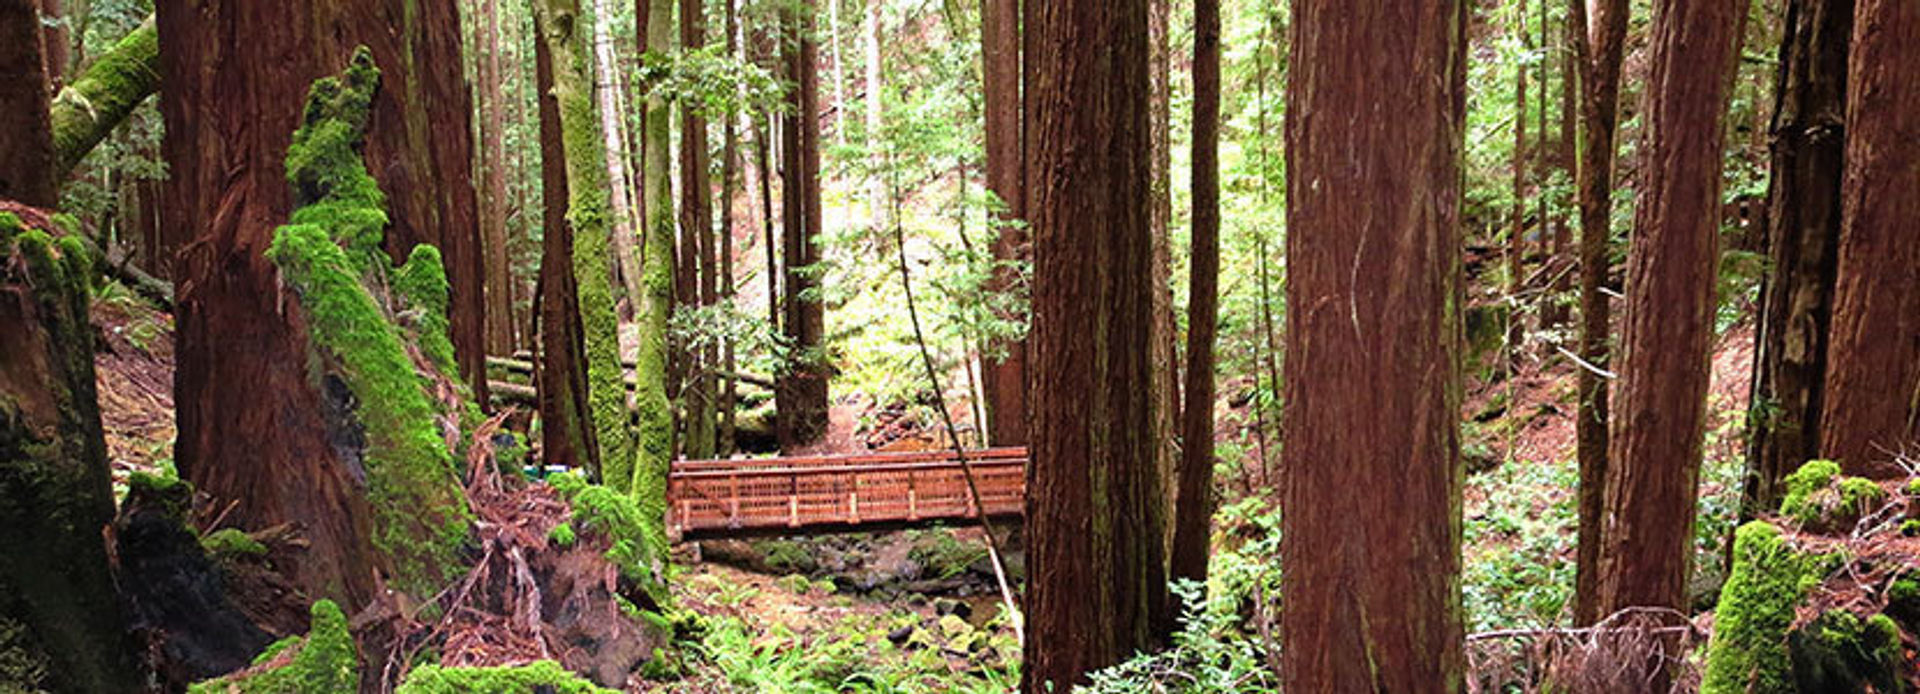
841	493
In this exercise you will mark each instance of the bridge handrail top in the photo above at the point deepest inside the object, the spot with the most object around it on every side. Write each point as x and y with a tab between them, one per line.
972	454
825	471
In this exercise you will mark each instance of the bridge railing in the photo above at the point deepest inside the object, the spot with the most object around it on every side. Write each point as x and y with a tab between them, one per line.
722	495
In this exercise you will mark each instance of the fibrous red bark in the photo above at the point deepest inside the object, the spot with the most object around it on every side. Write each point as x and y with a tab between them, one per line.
26	136
1372	578
1003	385
1193	502
801	396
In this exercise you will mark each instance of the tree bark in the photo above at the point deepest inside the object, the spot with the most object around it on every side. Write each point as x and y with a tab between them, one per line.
1517	232
100	100
253	425
1164	378
801	399
57	599
1096	505
729	190
1193	503
1872	404
27	154
1600	46
566	423
1004	383
1803	234
696	213
1372	370
493	182
1646	546
658	265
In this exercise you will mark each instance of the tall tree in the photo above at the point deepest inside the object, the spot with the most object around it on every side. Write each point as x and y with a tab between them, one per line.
657	267
1193	502
567	435
1164	380
876	156
493	182
1004	383
801	391
1599	45
1095	503
1517	231
730	161
1652	487
696	214
1872	399
608	93
1803	233
256	429
1372	369
26	135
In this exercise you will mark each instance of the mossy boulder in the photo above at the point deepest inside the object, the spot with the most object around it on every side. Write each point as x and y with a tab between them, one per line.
1748	650
541	676
1821	500
323	661
1841	652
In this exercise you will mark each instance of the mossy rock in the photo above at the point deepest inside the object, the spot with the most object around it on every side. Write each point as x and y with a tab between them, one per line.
789	556
323	661
1821	500
1903	601
1748	650
540	676
1840	652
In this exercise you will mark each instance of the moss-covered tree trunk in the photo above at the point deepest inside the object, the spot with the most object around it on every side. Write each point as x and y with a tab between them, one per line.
1803	232
1652	484
90	108
801	392
657	273
1096	502
1872	399
260	426
566	420
61	628
26	142
1372	380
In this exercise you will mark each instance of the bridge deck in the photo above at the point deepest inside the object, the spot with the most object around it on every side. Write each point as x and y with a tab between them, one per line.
805	495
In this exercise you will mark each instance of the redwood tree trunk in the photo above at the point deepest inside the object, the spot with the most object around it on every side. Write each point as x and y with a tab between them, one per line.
1193	502
566	425
1872	404
253	426
1652	487
26	136
801	395
498	285
1097	590
1004	383
1600	47
1803	232
696	216
1372	381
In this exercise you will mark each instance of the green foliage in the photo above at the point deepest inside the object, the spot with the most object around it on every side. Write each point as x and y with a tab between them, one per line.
325	661
539	676
616	517
1748	652
232	542
943	556
1209	655
562	535
1840	652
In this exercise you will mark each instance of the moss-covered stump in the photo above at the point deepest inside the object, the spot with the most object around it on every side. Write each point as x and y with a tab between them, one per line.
378	338
540	676
61	627
322	661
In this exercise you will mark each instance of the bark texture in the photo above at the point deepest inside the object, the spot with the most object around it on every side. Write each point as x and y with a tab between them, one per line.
59	613
1651	488
696	223
801	395
1096	504
566	424
1600	44
498	287
1803	233
1193	502
658	271
1872	400
1372	580
253	425
1004	384
26	137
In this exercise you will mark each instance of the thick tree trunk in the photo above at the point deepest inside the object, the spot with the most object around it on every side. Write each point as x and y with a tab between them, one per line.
101	99
27	154
1096	505
1372	370
1803	233
1193	505
802	395
1652	487
65	630
1872	404
696	214
1004	383
254	427
566	416
1600	47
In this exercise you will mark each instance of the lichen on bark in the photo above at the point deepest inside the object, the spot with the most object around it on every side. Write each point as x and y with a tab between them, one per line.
330	256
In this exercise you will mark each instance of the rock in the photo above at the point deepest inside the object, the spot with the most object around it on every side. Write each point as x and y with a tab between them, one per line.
949	606
901	635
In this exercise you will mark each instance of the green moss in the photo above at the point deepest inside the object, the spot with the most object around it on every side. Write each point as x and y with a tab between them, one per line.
85	112
1910	527
420	516
599	509
1859	495
1840	652
325	662
1748	652
421	284
1802	486
1913	489
540	676
1903	601
942	556
231	542
786	556
561	535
